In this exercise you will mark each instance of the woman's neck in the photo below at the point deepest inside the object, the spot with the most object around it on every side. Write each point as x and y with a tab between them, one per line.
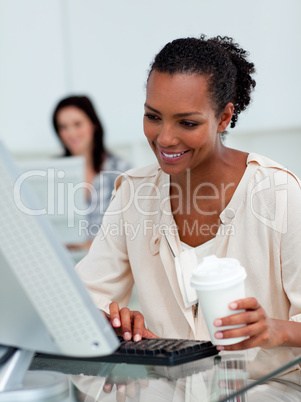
210	182
198	197
216	169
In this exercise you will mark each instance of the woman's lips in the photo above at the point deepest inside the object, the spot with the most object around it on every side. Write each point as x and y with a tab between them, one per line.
172	156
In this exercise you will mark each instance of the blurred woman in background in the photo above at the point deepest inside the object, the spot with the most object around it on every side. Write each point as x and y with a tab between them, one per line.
81	134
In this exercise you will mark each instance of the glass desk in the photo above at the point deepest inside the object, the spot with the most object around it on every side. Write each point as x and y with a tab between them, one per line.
229	376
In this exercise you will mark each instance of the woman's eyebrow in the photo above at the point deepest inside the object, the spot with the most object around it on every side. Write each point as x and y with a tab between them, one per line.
151	108
187	114
177	114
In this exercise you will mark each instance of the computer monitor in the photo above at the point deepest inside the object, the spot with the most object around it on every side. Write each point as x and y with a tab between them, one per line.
44	306
59	184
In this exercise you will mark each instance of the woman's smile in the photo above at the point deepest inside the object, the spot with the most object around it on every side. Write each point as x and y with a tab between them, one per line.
172	156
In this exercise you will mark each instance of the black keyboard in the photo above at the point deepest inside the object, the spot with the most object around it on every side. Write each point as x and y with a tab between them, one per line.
155	352
161	351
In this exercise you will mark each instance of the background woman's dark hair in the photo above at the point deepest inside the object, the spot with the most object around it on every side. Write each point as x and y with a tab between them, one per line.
83	103
221	60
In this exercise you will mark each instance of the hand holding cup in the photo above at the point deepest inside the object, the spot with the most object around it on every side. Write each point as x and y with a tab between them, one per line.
218	282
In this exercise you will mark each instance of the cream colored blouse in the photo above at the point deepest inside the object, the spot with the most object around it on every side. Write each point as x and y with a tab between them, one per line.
261	227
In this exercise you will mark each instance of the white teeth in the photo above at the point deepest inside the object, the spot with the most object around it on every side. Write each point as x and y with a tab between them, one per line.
173	155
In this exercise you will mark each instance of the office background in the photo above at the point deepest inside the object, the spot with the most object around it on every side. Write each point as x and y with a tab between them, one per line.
53	48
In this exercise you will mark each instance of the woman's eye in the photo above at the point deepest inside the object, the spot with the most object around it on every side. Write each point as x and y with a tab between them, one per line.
150	116
188	124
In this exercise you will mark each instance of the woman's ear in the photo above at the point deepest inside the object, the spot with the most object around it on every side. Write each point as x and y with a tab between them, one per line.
225	117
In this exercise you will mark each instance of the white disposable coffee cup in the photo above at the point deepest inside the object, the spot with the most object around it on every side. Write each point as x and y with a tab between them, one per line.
218	282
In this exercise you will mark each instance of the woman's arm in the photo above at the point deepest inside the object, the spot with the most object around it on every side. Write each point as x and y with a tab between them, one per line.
106	270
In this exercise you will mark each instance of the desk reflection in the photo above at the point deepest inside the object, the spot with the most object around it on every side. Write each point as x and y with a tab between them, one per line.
203	380
267	375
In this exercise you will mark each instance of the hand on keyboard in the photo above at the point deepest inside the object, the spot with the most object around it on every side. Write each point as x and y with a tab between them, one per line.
128	324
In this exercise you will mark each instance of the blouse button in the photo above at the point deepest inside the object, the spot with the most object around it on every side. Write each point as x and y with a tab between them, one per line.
230	213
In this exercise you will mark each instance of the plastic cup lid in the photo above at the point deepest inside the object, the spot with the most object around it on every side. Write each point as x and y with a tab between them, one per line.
216	272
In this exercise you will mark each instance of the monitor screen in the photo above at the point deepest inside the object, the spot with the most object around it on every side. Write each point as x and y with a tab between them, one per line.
44	306
60	188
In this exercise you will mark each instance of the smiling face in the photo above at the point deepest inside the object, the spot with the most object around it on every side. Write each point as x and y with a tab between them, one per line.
76	130
180	123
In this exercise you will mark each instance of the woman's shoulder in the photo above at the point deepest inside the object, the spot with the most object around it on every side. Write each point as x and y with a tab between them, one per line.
150	176
145	171
269	167
264	161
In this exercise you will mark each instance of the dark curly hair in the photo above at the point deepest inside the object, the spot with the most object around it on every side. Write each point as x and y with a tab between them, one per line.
221	60
84	103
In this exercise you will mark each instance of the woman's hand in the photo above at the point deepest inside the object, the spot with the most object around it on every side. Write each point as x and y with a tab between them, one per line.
128	324
261	330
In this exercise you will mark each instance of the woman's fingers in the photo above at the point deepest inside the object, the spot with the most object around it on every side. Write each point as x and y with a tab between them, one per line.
125	388
245	331
138	325
128	324
248	317
254	325
252	313
114	315
107	387
245	304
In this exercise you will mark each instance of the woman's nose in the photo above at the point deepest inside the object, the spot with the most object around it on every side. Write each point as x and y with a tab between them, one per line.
167	136
71	131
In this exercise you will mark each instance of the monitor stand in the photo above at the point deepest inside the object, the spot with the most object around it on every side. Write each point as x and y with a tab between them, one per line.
18	384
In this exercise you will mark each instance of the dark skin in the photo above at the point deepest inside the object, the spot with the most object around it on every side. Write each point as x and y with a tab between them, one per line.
182	128
128	323
205	207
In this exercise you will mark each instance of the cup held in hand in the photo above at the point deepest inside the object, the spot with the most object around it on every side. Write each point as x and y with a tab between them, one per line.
218	282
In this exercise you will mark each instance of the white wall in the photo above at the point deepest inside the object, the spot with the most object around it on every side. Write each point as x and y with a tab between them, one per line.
52	48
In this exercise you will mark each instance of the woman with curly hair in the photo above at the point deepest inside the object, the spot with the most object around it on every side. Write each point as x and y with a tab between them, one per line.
203	197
